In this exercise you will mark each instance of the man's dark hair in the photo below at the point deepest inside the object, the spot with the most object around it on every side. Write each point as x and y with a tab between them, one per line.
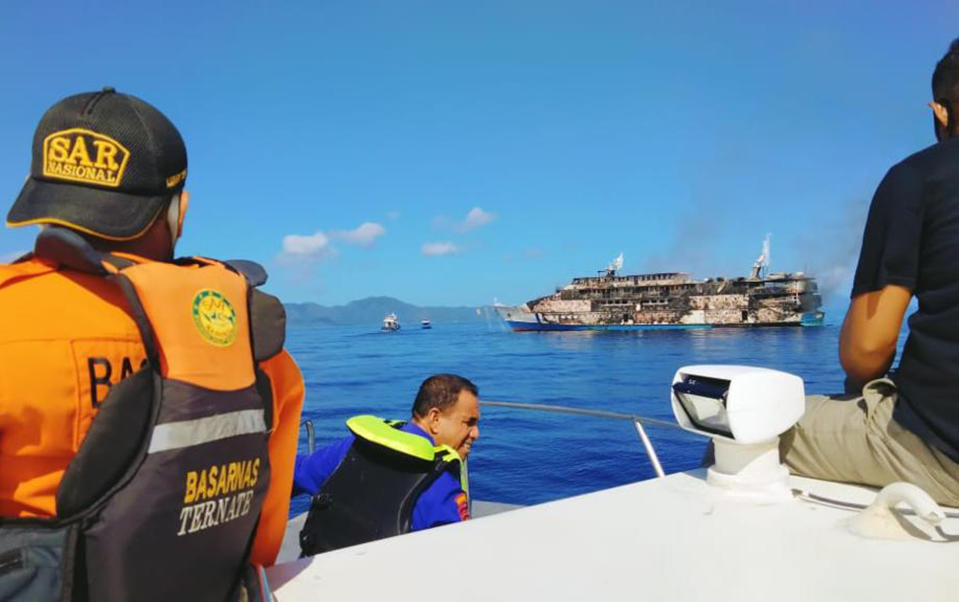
945	79
441	391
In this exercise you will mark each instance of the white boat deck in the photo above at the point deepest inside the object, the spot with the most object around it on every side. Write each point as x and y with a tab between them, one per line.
662	539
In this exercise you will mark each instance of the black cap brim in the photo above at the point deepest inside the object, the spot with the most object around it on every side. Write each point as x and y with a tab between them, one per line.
101	212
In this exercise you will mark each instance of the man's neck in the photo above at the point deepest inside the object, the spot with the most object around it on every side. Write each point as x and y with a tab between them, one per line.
419	423
155	243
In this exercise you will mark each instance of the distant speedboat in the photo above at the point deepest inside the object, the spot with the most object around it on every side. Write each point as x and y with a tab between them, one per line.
390	323
425	323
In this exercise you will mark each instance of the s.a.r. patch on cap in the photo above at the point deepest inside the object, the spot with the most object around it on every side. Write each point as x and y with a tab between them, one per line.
82	155
214	317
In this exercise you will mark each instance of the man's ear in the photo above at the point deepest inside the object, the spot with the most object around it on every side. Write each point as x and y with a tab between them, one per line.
184	205
432	420
940	113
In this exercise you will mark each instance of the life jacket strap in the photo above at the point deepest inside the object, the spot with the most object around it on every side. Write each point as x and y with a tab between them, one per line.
252	271
68	249
449	459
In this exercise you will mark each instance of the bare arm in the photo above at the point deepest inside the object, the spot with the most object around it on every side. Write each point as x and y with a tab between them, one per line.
867	343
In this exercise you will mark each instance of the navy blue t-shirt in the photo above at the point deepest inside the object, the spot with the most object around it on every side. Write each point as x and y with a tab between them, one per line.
443	501
912	240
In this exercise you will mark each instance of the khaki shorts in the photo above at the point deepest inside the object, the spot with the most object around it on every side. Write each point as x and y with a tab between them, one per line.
855	440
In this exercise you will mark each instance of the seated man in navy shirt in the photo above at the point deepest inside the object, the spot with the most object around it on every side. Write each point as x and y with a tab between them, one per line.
904	427
391	477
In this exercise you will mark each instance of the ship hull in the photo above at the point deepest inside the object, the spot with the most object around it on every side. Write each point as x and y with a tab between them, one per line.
527	326
521	319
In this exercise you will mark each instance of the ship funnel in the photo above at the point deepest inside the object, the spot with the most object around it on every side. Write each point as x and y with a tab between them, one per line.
617	264
761	265
766	251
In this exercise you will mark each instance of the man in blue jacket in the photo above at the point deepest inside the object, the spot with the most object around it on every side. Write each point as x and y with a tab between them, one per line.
388	478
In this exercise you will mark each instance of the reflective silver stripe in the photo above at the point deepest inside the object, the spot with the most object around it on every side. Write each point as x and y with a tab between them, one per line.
186	433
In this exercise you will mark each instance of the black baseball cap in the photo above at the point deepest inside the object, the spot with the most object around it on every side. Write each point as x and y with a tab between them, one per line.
104	163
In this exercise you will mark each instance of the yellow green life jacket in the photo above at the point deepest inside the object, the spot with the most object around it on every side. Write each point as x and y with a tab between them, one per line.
372	493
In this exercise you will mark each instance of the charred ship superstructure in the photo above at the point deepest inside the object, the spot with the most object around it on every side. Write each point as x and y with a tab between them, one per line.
609	301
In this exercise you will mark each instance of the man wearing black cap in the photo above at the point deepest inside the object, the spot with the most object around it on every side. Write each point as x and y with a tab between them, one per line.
904	427
148	411
85	178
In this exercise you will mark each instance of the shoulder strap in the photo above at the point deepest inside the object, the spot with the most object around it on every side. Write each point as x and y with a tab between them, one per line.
267	314
267	323
449	459
254	272
62	247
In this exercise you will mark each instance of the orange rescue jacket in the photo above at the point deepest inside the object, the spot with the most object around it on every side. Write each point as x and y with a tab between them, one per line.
66	337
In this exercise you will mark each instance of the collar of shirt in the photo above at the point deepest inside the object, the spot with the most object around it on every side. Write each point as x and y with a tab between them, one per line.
412	427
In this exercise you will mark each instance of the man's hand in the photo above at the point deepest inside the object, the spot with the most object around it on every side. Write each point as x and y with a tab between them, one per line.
867	343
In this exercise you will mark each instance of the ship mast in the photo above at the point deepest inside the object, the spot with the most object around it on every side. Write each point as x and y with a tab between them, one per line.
761	265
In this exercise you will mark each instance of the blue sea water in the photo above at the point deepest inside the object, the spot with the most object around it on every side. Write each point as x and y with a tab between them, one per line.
525	457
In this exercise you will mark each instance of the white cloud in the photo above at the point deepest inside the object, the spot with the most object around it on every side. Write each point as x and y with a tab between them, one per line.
438	249
473	220
313	246
319	245
393	215
476	218
364	235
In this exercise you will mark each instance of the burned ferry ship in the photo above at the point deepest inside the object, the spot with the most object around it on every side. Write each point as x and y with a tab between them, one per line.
609	301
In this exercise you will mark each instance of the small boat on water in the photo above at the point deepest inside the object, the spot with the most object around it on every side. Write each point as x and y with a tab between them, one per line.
390	323
425	323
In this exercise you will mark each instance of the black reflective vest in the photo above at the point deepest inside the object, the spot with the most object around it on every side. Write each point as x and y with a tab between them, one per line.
162	499
372	493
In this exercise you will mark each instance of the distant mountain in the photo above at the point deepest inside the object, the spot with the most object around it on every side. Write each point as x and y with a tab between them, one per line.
372	310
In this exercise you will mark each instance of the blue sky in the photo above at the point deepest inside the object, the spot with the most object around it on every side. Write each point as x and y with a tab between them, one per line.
451	152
